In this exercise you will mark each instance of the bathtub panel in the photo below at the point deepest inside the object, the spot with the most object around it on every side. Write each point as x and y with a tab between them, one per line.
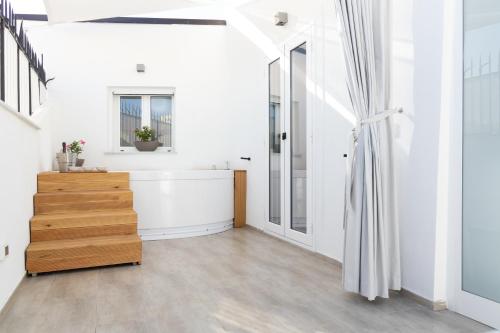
177	202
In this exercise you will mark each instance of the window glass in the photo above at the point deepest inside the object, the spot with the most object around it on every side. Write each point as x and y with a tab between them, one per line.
130	119
298	138
274	143
161	119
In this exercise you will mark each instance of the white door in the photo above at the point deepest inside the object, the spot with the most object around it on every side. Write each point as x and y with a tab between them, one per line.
290	140
477	289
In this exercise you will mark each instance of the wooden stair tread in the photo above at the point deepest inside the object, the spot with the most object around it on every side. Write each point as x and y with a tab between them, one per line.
69	182
82	219
82	242
74	194
82	201
49	256
81	225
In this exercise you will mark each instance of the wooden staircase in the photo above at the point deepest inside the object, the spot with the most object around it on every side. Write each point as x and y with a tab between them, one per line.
82	220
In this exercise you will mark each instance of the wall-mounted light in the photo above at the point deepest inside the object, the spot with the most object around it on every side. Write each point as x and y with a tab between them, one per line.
280	18
141	68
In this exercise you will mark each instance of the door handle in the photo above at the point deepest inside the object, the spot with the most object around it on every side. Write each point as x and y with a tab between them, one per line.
283	136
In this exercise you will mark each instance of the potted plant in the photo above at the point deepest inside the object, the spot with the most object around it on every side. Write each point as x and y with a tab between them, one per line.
75	149
147	140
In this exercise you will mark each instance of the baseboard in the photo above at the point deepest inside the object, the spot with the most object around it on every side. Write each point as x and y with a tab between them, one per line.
435	306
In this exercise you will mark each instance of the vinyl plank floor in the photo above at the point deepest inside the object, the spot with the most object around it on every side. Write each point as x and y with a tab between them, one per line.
238	281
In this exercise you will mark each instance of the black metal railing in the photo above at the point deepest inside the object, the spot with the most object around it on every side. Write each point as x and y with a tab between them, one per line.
25	93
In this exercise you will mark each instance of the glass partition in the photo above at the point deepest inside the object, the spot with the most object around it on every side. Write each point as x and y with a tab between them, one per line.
481	149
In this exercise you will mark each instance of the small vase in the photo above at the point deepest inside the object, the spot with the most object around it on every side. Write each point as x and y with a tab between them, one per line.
62	161
79	162
72	159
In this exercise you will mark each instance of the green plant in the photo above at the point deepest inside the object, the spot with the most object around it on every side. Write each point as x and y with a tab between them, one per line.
76	147
144	134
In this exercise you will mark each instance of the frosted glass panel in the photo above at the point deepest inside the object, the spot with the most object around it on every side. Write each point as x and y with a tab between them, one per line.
481	150
274	143
298	120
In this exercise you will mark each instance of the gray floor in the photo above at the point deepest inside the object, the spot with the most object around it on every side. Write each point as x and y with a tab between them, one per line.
237	281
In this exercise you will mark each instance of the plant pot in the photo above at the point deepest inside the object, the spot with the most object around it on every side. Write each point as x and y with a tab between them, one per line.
146	145
79	162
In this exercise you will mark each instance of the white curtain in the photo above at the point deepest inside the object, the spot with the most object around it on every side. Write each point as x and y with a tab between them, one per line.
371	265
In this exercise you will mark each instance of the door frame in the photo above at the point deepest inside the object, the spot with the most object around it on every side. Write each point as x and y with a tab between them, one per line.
284	230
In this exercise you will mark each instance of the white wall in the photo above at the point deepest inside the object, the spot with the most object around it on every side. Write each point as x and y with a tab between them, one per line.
424	33
22	159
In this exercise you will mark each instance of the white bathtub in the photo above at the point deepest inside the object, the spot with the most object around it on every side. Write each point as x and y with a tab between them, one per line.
182	203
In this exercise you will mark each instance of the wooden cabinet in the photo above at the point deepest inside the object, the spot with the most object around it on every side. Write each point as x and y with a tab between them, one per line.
240	198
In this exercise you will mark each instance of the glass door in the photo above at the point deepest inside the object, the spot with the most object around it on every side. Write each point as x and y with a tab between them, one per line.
276	136
290	140
479	294
298	144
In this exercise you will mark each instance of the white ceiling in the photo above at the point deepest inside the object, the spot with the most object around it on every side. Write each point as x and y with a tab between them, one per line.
28	6
60	11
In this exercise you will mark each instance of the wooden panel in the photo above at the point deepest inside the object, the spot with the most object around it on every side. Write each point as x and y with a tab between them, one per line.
67	202
80	225
68	182
87	252
240	198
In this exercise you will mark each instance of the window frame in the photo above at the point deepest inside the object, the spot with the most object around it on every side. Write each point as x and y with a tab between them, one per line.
115	93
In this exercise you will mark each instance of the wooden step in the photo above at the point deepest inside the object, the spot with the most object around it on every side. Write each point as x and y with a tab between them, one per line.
81	253
82	225
70	182
70	202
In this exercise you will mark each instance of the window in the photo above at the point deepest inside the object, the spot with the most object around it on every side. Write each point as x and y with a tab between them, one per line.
135	108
